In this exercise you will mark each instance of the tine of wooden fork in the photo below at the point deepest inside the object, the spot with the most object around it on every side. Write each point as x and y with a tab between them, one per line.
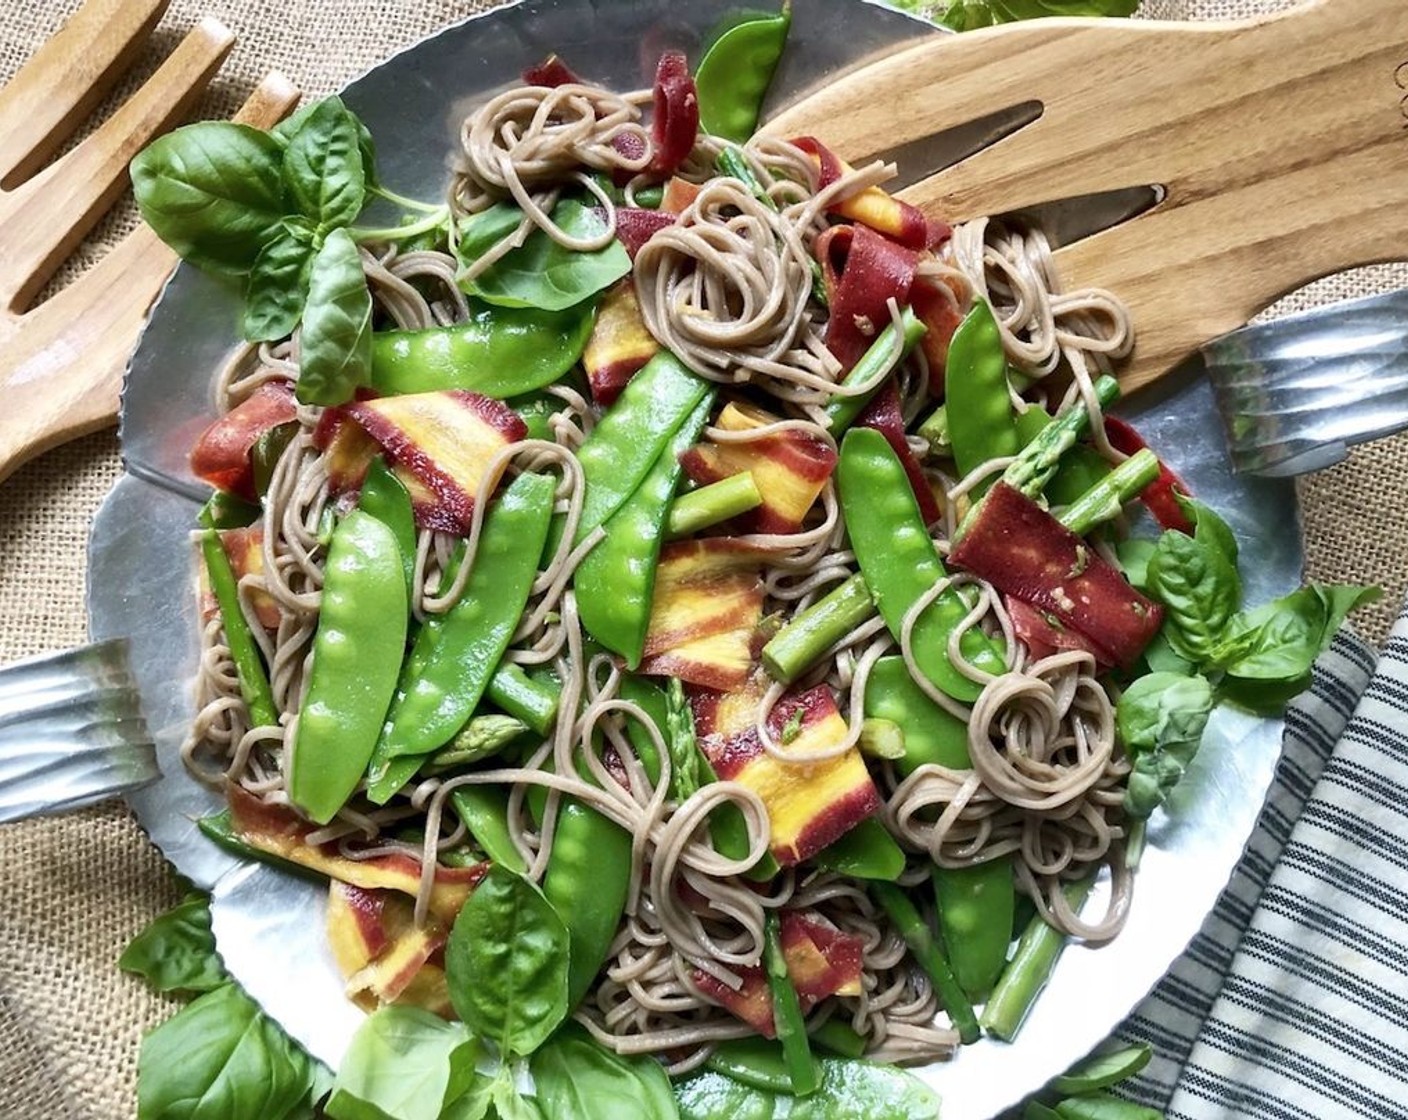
61	368
48	215
66	78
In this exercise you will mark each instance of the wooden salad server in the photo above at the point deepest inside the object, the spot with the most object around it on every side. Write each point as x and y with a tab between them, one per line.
62	361
1280	146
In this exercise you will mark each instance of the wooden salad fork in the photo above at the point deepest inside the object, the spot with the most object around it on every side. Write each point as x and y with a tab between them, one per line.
1280	147
62	361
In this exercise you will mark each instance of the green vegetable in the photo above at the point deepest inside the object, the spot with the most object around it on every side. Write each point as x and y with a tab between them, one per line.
881	738
225	511
848	1090
707	506
1030	968
755	1061
335	348
482	737
277	287
323	169
579	1079
176	951
968	15
838	1037
1103	1106
221	1056
931	734
1267	653
651	699
506	962
1160	719
484	811
1199	588
626	443
268	448
386	498
1106	499
976	395
927	954
402	1064
799	645
498	351
254	681
356	655
456	653
615	581
540	272
686	763
935	430
1134	555
1208	526
867	851
1100	1071
214	192
897	559
532	699
787	1012
885	353
975	907
733	76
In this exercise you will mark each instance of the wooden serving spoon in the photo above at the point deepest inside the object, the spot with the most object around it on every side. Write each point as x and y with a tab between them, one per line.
1280	145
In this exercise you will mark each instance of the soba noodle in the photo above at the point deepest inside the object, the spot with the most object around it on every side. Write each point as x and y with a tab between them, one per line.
729	290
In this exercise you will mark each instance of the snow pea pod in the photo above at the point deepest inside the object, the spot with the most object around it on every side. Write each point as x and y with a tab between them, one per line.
897	559
456	653
500	352
387	499
976	398
615	580
931	735
356	654
629	438
733	76
484	811
254	681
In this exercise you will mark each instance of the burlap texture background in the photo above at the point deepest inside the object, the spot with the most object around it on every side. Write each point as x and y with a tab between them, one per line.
73	891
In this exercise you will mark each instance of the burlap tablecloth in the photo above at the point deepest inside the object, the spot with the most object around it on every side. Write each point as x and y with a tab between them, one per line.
73	891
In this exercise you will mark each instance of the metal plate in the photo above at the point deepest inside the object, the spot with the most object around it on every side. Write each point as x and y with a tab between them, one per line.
140	574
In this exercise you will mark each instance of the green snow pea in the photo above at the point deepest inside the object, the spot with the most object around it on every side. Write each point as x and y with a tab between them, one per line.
498	351
456	653
386	498
356	654
897	559
629	438
976	398
249	667
867	851
616	579
484	811
733	76
931	735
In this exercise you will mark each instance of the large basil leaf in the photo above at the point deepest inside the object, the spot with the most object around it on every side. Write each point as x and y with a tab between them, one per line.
1160	718
1208	526
506	963
1200	590
222	1058
323	168
176	952
578	1079
335	348
284	131
1268	652
214	192
849	1088
403	1064
540	272
277	288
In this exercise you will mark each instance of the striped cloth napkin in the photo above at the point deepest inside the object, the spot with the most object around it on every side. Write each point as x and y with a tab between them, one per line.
1290	1002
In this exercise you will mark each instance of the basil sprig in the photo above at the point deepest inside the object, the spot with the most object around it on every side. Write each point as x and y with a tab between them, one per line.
274	208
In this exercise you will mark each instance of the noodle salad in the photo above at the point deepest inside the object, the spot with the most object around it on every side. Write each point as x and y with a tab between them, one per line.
684	601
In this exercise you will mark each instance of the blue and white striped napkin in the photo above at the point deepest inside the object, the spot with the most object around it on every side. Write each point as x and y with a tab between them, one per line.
1292	1001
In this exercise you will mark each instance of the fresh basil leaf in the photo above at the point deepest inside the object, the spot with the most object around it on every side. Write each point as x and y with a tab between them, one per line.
221	1056
1035	1110
176	952
1161	658
1100	1071
1200	590
1208	525
212	191
276	289
284	131
849	1088
511	1104
540	272
403	1064
506	963
1160	719
579	1079
474	1104
1134	555
323	168
335	347
1103	1106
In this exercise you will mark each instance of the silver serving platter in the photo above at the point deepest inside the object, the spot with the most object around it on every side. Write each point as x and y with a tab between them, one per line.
269	925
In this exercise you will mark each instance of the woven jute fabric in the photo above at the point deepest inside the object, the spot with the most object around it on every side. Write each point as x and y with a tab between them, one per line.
74	890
